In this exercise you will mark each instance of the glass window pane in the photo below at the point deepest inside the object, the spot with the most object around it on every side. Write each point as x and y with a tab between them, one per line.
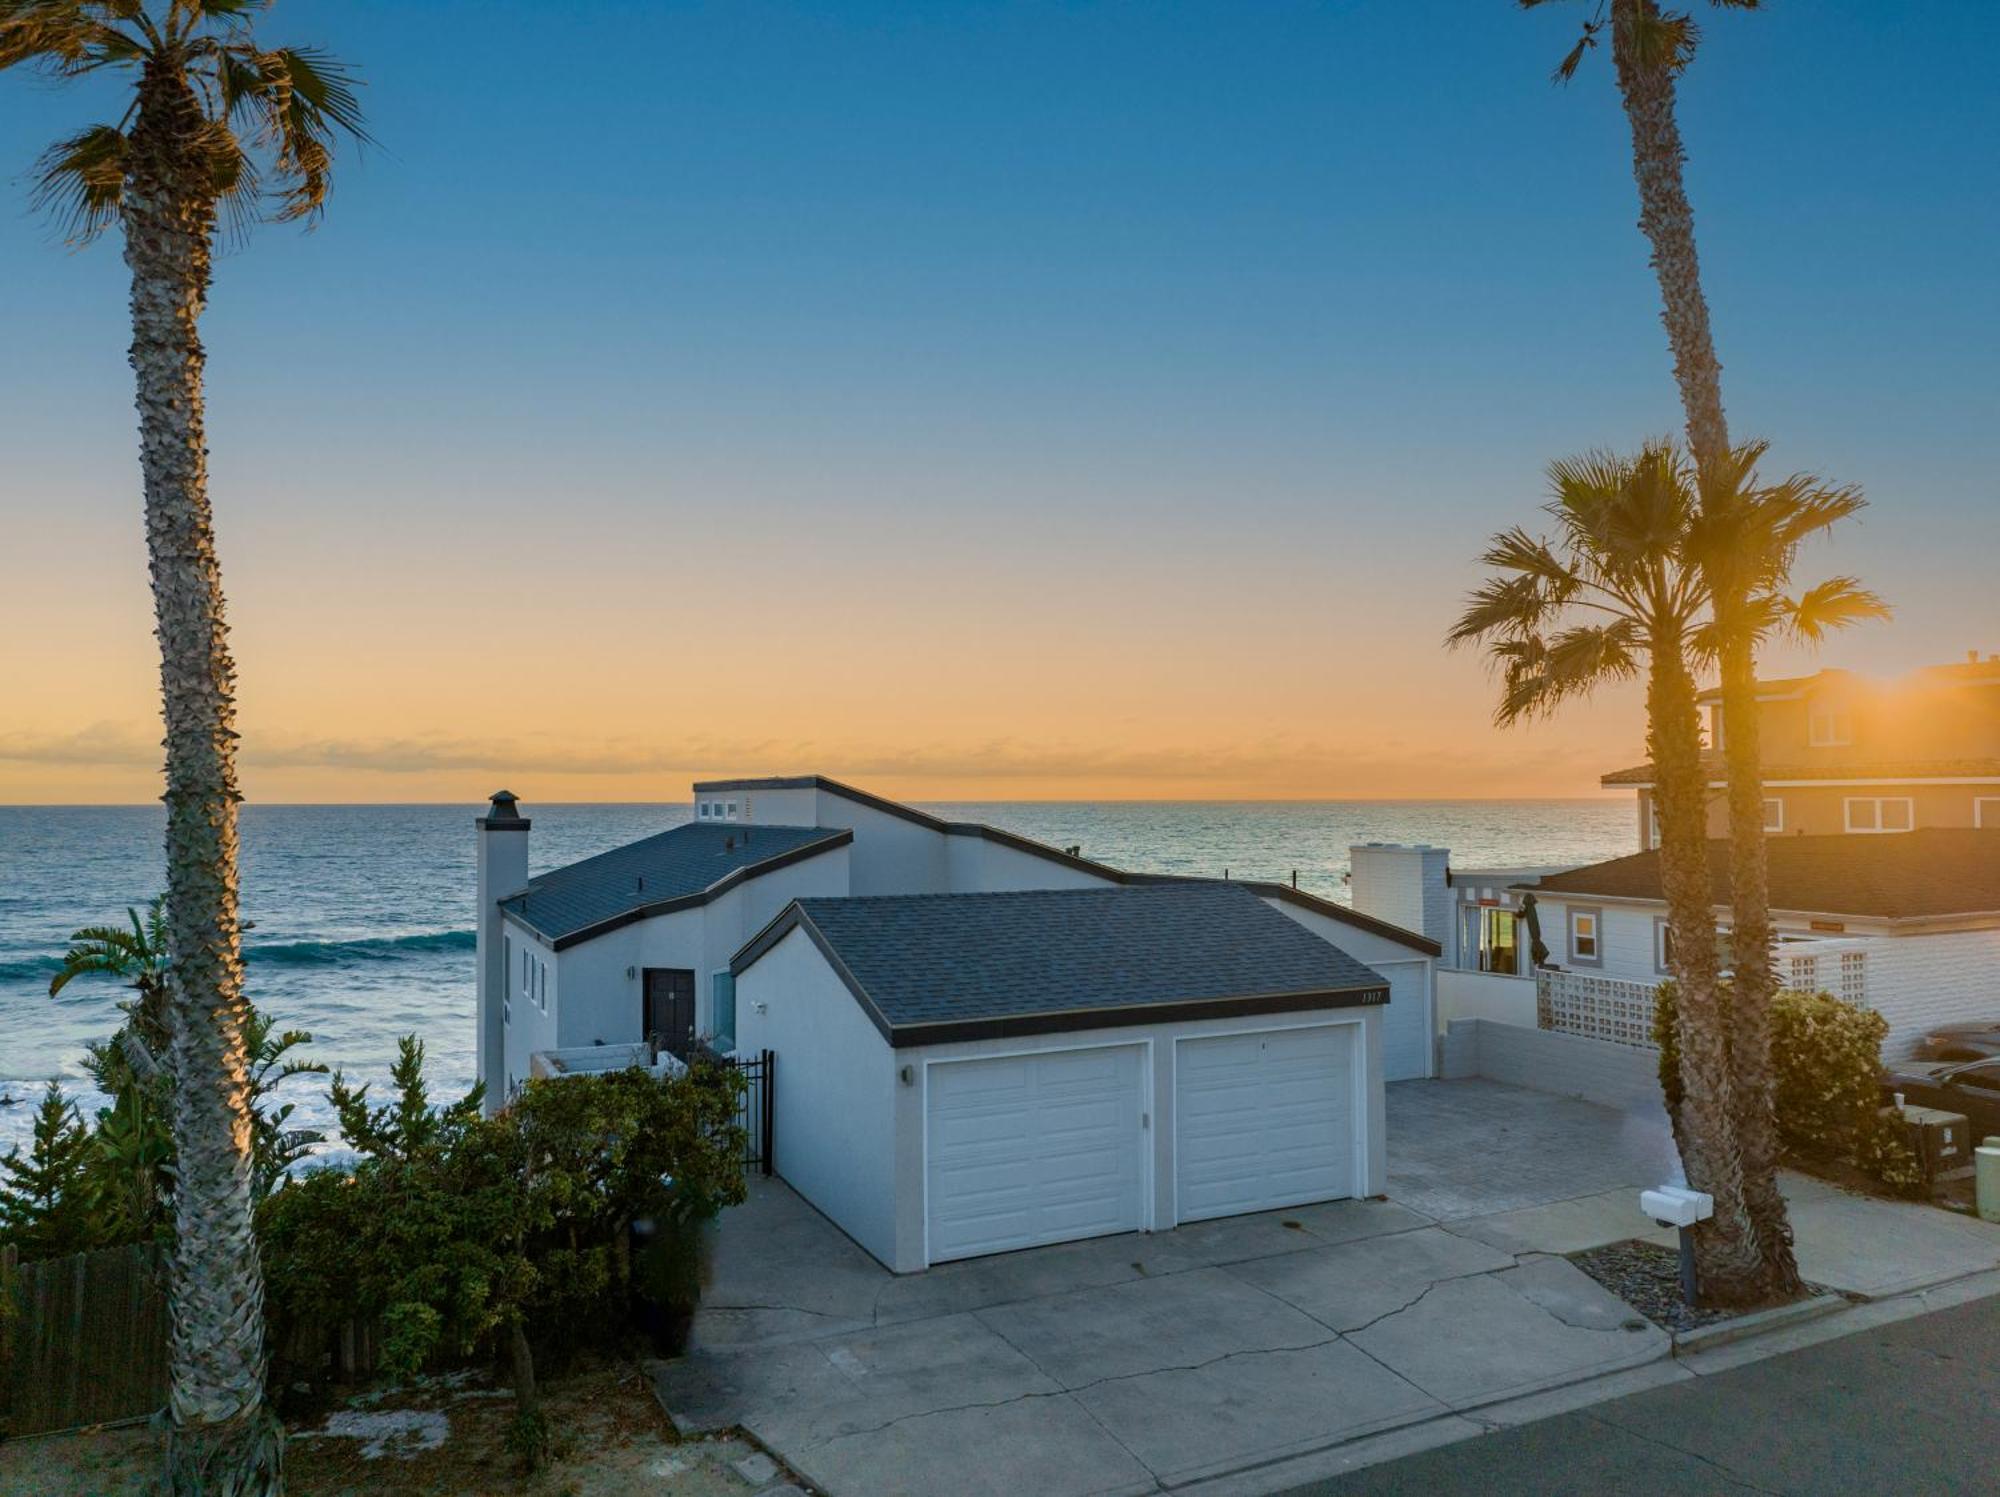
1895	816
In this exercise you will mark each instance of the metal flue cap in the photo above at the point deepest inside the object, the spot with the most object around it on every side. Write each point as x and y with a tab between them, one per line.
504	815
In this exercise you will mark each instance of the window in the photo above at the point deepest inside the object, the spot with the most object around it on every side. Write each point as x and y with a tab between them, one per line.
722	1010
1652	823
1880	813
506	976
1586	946
1498	942
1663	945
1826	728
730	810
542	986
1774	814
1986	811
701	809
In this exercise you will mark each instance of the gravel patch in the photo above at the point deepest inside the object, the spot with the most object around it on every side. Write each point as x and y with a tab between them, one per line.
1648	1278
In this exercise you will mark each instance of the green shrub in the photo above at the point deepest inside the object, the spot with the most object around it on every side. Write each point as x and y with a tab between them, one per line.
1826	1056
453	1229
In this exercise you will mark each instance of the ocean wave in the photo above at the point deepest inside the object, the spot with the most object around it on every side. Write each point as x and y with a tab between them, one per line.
291	953
368	949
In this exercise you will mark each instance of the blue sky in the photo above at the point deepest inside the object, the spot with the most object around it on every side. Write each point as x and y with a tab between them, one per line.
1242	320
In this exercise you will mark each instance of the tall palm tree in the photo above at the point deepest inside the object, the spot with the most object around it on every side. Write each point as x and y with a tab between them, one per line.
1617	594
1747	541
1650	48
216	123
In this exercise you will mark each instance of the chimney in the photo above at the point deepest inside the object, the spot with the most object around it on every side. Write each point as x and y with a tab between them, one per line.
502	866
1404	885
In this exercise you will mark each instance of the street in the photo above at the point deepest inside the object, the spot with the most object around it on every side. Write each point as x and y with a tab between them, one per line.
1910	1408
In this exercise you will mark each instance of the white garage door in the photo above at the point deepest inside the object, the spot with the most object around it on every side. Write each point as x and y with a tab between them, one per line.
1032	1149
1264	1120
1406	1024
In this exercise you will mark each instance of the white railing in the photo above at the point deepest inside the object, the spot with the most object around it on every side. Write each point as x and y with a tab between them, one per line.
1620	1009
586	1060
1598	1008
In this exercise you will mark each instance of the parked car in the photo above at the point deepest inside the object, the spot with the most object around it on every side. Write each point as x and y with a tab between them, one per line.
1961	1042
1971	1087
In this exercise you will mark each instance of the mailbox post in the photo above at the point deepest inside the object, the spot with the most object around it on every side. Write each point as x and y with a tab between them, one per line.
1677	1206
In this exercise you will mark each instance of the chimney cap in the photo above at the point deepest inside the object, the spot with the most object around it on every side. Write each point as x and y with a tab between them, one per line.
504	815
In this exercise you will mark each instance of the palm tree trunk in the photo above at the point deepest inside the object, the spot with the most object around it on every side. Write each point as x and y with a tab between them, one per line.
1756	979
1667	220
222	1439
1726	1246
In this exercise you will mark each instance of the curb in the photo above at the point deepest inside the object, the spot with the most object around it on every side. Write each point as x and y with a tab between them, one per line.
1756	1323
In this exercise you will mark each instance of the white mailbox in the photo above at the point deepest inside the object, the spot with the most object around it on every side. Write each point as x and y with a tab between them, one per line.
1676	1205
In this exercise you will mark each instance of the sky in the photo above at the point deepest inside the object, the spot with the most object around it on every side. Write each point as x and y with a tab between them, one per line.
982	400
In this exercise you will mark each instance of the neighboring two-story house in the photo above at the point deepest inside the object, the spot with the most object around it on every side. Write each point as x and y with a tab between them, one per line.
1844	753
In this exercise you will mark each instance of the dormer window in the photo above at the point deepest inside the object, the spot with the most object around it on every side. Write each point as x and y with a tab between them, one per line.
1826	728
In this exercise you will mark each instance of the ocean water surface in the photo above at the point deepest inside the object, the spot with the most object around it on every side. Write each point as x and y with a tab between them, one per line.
362	915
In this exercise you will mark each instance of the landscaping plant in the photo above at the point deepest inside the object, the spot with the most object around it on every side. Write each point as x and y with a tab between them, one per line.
1828	1082
466	1237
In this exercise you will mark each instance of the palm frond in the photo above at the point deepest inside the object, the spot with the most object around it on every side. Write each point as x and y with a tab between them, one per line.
81	180
1837	603
295	100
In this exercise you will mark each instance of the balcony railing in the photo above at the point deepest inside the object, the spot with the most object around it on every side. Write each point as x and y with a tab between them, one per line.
585	1060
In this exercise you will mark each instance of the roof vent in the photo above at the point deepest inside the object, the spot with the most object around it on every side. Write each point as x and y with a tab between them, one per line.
641	882
729	844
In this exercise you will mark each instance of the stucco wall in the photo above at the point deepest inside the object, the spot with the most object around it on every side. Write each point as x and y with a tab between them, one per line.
1409	1024
603	1005
979	865
835	1095
1484	995
1621	1076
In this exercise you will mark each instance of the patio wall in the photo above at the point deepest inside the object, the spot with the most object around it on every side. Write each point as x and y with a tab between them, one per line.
1621	1076
1463	994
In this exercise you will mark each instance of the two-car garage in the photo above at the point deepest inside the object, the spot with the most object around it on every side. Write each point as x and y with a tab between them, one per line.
1058	1065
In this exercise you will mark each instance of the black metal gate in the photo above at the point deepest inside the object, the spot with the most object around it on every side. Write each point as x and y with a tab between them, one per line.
759	1077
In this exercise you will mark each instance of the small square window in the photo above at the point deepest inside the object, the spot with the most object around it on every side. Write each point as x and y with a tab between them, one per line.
1774	814
1584	943
731	810
1663	946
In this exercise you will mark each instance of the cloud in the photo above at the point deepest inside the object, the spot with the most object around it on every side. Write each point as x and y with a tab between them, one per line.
1275	762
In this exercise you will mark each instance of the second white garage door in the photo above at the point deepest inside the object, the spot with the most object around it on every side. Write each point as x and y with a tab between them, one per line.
1031	1149
1264	1120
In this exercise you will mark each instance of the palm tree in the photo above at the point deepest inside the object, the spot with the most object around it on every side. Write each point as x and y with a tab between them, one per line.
216	123
1748	538
1649	49
136	956
1618	594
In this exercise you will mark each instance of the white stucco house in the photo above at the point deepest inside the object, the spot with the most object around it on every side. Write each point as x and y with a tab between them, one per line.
982	1042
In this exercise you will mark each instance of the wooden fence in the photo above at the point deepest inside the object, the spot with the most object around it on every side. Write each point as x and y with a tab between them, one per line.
83	1339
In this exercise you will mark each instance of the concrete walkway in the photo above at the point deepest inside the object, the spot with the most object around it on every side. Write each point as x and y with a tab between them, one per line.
1555	1175
1139	1363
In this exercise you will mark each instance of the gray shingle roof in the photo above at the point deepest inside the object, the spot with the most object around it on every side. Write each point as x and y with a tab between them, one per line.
1928	873
676	868
946	966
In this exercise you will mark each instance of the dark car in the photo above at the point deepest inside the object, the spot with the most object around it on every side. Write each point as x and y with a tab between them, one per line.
1968	1086
1961	1042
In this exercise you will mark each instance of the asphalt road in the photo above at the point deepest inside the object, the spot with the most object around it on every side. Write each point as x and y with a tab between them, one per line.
1911	1408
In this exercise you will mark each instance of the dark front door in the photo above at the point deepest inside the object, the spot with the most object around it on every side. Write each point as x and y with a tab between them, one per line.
669	1013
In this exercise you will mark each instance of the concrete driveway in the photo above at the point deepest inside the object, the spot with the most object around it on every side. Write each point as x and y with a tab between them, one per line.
1137	1363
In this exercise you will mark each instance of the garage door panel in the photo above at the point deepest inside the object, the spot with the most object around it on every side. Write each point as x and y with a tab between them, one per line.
1264	1120
1033	1149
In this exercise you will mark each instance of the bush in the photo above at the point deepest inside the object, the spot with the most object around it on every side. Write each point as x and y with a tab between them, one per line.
453	1230
1827	1060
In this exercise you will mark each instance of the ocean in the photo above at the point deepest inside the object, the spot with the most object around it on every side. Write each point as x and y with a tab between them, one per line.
362	915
